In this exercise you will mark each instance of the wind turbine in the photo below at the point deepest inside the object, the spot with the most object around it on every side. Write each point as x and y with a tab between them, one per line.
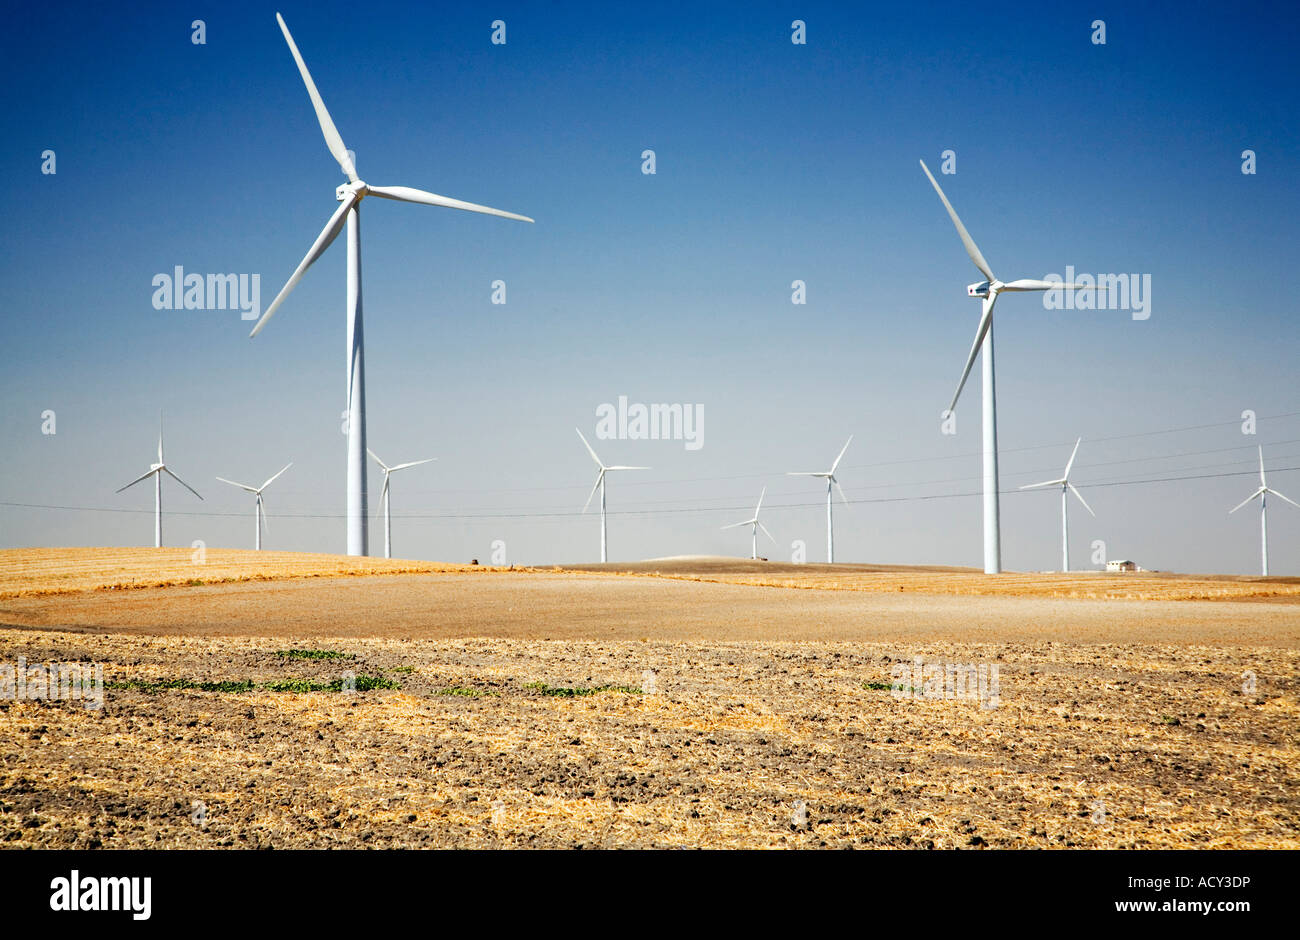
350	194
754	525
600	485
259	510
1262	493
156	470
830	481
987	291
385	501
1066	488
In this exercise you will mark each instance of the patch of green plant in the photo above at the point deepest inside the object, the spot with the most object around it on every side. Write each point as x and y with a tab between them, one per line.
313	654
194	582
465	692
887	687
404	670
562	692
359	684
163	685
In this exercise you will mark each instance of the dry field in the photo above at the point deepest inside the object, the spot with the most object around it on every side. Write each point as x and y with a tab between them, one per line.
515	708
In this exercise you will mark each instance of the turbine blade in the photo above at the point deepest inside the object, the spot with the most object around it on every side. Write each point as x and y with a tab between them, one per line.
266	524
1035	486
1066	474
273	479
1031	284
627	468
767	533
839	490
332	138
1246	500
1287	498
143	476
807	473
242	486
971	248
1262	481
181	482
412	463
1081	499
407	194
759	508
590	451
323	241
737	525
985	321
382	465
841	456
600	476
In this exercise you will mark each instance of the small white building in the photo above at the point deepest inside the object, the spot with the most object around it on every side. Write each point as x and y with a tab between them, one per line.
1122	564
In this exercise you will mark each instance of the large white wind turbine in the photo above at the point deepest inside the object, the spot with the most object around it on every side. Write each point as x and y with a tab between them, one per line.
600	485
754	525
1066	488
830	481
350	194
987	291
156	470
259	510
385	501
1262	493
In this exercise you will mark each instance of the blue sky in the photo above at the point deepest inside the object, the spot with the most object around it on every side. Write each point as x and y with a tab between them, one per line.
775	162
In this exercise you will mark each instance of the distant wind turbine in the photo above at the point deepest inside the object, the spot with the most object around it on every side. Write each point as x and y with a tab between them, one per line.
156	470
1066	488
259	510
385	501
350	194
600	485
988	291
829	476
1262	493
754	525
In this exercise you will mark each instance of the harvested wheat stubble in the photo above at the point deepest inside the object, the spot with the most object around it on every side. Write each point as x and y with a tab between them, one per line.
1109	745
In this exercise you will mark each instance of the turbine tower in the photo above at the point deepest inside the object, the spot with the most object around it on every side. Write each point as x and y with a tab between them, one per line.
600	485
259	510
349	195
385	503
1262	493
987	291
754	525
1066	488
829	475
156	470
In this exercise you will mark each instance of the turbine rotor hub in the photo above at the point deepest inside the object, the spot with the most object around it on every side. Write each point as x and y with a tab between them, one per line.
345	190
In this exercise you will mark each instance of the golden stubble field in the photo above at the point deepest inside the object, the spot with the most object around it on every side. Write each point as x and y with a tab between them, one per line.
554	709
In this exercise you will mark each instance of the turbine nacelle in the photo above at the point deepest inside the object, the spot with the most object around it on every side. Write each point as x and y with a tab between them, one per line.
345	190
980	290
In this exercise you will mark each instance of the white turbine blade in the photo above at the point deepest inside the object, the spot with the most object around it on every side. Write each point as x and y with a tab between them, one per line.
383	466
160	441
242	486
841	456
600	476
759	508
839	490
143	476
1066	474
407	194
737	525
412	463
1246	500
1035	486
1081	499
627	468
1287	498
1031	284
590	451
266	524
273	479
971	248
383	498
181	482
767	533
323	241
985	321
807	473
332	138
1262	481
